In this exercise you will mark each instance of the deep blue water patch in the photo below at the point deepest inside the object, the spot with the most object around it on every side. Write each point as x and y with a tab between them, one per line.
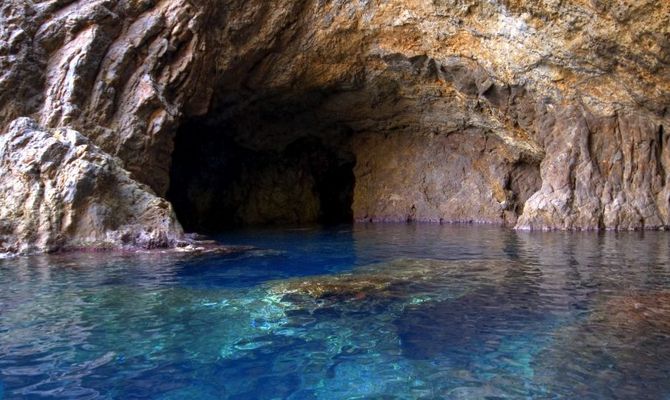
370	311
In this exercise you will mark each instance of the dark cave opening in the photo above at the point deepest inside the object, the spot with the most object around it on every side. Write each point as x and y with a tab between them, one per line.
260	169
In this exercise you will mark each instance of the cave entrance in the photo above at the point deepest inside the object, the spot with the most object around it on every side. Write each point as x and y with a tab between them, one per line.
261	168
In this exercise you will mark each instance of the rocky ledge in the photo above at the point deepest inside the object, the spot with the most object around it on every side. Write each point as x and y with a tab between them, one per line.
533	114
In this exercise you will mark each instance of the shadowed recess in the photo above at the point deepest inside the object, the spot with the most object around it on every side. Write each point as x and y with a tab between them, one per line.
268	165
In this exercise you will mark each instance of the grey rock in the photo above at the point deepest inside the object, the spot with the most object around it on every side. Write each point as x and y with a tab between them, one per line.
61	191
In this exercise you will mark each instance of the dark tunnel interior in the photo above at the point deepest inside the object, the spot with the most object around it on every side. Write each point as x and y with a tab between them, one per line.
268	167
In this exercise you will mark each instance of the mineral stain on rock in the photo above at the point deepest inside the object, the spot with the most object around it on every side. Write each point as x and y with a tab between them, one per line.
536	115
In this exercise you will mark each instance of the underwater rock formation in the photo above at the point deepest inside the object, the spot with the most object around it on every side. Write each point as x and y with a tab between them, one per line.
401	279
640	320
535	114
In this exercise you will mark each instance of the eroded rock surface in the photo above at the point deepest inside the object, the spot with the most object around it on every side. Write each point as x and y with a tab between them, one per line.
122	72
61	191
536	114
465	110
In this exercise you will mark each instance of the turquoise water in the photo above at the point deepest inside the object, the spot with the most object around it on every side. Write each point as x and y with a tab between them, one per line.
370	311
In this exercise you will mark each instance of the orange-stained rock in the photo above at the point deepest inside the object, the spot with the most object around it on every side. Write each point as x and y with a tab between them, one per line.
535	114
61	191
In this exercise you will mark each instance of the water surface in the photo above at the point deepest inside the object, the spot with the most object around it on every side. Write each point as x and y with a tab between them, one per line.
370	311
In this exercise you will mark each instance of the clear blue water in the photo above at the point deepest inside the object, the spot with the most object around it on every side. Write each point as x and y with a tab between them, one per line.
370	311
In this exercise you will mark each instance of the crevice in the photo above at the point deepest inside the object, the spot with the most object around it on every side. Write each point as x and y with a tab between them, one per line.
660	144
524	181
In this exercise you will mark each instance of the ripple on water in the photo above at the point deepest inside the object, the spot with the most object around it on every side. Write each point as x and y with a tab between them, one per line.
401	312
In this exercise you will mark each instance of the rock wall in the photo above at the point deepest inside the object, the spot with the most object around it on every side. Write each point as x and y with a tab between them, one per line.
481	93
60	191
121	72
460	177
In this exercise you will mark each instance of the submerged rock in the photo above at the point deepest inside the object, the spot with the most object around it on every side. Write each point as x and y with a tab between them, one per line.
406	280
636	314
60	191
608	343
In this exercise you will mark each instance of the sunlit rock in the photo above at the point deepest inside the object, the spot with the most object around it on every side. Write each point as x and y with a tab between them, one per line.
61	191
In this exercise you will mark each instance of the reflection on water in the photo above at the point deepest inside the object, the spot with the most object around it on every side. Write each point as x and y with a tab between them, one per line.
373	311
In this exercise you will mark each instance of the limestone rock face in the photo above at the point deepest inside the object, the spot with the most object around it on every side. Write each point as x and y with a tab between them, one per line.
602	172
540	115
61	191
122	72
435	177
536	114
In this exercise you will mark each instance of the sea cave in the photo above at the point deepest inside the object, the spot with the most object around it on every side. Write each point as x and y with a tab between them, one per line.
334	199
